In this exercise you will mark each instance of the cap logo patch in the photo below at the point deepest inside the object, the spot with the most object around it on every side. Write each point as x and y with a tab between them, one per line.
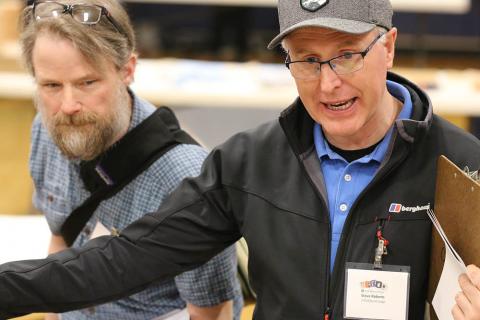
313	5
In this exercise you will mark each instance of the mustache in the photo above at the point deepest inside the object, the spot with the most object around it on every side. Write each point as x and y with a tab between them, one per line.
77	119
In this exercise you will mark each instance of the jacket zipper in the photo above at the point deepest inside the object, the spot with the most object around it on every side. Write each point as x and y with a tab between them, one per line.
326	314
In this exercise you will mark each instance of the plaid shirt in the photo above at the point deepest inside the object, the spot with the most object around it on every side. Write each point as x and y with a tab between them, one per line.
59	190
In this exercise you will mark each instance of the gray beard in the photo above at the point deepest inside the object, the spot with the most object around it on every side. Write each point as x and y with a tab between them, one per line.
85	135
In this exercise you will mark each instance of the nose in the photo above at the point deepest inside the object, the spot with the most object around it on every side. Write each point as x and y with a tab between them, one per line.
70	103
329	80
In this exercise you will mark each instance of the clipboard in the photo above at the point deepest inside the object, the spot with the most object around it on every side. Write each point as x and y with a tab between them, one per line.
457	208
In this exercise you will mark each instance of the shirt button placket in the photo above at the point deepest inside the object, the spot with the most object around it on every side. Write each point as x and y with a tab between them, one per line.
343	207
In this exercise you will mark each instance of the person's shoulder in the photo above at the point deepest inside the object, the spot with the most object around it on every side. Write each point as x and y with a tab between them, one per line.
454	134
141	110
186	154
458	145
250	145
183	160
266	133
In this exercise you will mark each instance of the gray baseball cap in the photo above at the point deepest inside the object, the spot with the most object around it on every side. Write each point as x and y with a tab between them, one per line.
349	16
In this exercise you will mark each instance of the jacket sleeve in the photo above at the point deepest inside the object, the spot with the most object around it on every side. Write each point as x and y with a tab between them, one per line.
194	224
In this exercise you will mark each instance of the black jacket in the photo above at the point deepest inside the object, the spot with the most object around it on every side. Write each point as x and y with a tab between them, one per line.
266	185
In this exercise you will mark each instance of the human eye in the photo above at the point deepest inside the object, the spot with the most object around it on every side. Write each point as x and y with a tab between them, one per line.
311	59
50	85
346	56
89	82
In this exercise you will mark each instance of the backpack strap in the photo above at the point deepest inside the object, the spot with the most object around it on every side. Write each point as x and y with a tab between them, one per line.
107	174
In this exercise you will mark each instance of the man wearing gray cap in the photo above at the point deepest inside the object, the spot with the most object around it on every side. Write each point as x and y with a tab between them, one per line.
321	195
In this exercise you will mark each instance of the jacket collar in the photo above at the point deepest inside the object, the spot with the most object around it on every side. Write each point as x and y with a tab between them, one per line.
298	125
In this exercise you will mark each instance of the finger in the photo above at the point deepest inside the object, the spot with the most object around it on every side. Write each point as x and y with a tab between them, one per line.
473	273
463	304
470	291
457	313
472	294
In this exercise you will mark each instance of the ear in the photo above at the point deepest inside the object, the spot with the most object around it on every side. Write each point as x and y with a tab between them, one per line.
390	39
128	70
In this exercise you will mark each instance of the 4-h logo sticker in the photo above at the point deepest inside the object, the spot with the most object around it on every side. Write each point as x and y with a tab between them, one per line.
313	5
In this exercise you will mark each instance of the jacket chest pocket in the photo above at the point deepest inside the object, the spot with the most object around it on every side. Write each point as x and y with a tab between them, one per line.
409	236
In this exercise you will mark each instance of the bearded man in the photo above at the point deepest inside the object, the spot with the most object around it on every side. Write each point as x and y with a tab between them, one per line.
89	127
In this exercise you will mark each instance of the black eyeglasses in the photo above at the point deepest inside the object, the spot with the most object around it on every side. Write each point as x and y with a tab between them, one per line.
346	63
89	14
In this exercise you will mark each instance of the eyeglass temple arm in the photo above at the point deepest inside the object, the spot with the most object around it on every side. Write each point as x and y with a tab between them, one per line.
112	20
364	53
288	60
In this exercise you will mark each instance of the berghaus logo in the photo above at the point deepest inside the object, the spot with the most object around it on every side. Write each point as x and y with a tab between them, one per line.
399	208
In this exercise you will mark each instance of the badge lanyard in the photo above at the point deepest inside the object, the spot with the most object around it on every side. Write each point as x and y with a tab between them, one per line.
383	243
378	290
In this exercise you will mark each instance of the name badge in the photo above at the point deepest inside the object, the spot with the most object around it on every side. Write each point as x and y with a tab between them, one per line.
376	294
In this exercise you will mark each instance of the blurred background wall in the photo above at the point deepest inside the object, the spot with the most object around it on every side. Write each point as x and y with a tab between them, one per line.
242	32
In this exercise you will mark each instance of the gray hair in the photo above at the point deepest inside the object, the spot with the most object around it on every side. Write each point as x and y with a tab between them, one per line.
97	43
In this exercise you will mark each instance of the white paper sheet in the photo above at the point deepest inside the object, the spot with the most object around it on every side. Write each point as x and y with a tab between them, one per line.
448	287
444	298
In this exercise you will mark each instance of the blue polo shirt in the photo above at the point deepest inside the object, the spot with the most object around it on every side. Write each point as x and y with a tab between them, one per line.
345	181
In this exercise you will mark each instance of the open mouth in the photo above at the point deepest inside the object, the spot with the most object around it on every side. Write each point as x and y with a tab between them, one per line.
340	106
